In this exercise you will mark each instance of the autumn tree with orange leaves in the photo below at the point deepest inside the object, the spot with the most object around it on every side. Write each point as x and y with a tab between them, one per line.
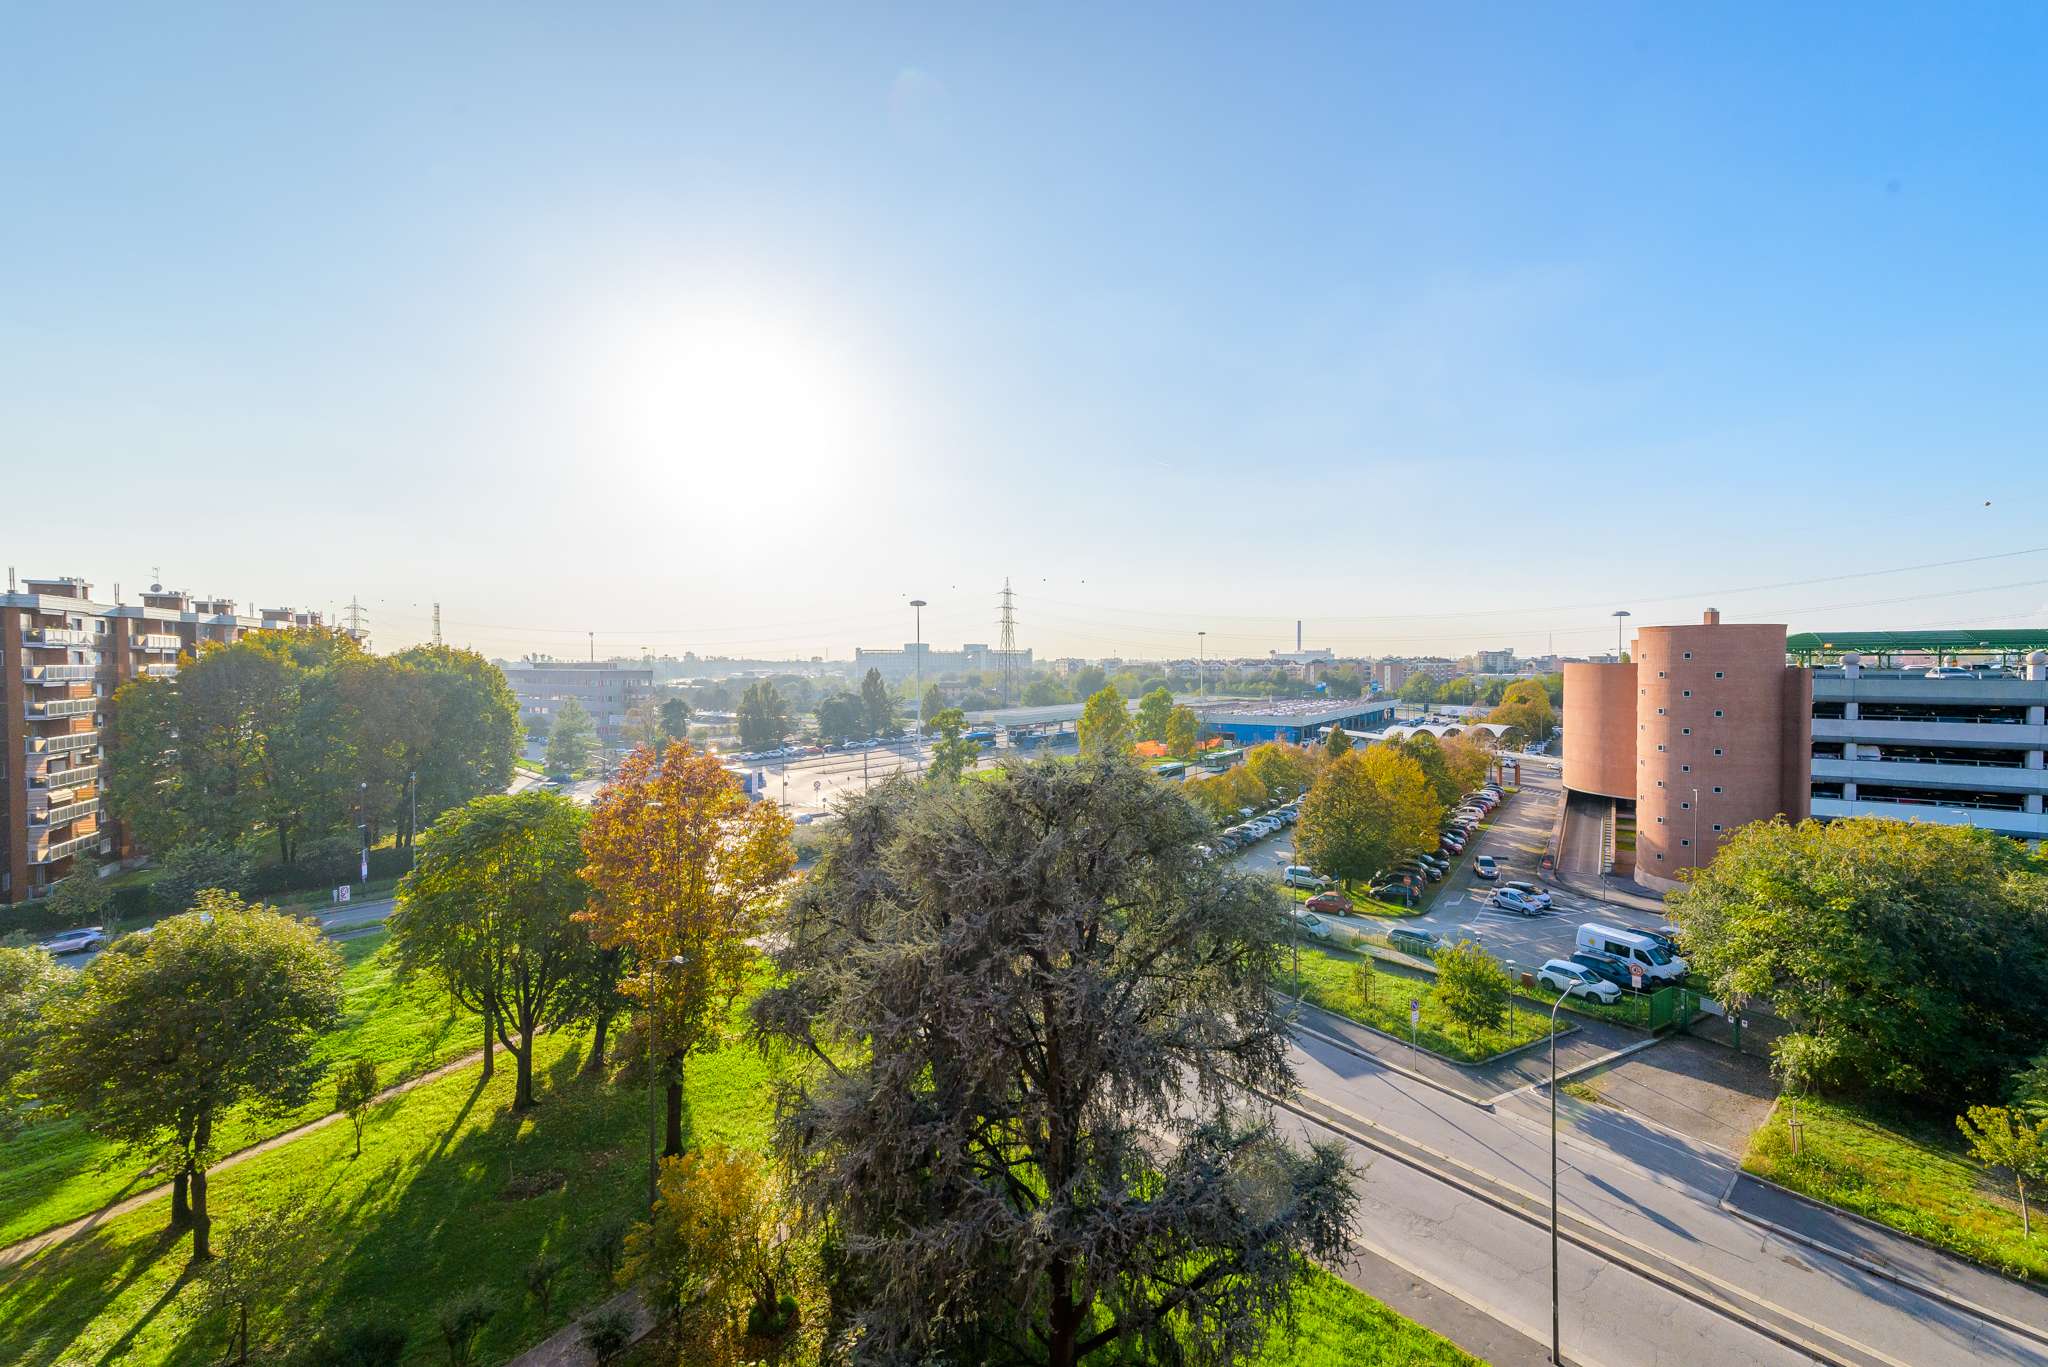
682	868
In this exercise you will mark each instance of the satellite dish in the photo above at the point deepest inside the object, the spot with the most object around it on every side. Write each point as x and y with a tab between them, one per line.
156	588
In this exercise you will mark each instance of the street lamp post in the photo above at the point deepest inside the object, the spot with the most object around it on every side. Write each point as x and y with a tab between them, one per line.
654	1077
1556	1357
1202	669
1624	612
917	605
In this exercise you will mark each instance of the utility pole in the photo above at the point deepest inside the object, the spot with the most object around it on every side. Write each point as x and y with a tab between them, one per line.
1202	669
1006	660
593	647
357	616
917	606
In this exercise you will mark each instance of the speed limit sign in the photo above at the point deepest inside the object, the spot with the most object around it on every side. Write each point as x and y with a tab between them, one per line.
1635	976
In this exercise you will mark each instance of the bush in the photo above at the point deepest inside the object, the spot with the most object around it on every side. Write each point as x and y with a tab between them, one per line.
772	1324
370	1340
606	1334
604	1248
190	868
461	1318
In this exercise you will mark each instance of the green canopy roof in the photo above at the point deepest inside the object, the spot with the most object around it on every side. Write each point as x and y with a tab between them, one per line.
1831	644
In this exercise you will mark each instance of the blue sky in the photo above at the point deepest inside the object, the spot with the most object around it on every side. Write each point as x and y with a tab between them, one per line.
737	327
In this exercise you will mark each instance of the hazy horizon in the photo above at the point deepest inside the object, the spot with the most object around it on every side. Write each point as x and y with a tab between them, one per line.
734	331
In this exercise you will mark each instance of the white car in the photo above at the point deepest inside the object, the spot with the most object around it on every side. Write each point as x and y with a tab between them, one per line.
1562	975
1507	899
1327	931
76	941
1530	892
1302	876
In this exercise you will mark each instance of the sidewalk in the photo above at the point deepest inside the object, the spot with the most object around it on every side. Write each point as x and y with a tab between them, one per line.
1891	1254
1591	1042
564	1347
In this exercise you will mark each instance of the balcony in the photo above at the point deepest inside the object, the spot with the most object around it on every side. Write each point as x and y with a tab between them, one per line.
49	675
57	636
63	849
62	745
160	671
158	641
53	781
40	709
66	814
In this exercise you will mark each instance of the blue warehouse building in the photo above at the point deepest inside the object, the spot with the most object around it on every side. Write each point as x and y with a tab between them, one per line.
1296	721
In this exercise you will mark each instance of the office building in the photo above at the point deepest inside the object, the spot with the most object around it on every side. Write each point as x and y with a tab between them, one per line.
608	690
917	659
1703	730
62	656
1297	721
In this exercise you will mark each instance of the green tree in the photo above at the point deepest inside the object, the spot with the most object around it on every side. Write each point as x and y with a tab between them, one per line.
710	1245
471	733
217	1007
1526	707
1086	682
1472	988
1183	732
80	897
1366	810
30	984
263	1256
189	870
1458	692
1280	770
1105	725
1468	760
1336	742
1013	1096
1419	689
879	706
1429	756
489	911
841	717
542	1275
952	756
2028	1091
355	1089
931	704
572	741
1043	691
1918	954
606	1335
763	716
675	718
2000	1138
1154	709
461	1318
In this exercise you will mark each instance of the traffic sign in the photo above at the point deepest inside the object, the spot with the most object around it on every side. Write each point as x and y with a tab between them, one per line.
1414	1010
1635	976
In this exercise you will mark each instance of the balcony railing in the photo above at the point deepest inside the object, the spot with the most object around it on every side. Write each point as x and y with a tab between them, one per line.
57	636
66	814
158	641
63	849
160	671
54	780
62	745
58	674
49	709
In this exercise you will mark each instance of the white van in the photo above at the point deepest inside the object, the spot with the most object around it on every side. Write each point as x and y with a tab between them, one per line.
1659	964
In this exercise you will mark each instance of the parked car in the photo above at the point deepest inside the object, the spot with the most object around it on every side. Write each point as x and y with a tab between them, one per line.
1659	964
1530	891
1507	899
1485	867
1436	859
1302	876
1393	891
1420	943
77	941
1330	903
1329	932
1605	966
1562	975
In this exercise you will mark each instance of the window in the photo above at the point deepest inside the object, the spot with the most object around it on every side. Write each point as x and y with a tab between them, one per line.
1685	806
1685	730
1660	750
1685	692
1685	768
1719	674
1719	713
1660	783
1660	821
1688	654
1660	673
1717	787
1684	842
1660	711
1717	825
1717	749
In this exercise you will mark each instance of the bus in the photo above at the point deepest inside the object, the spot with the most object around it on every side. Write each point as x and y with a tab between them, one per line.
1216	761
984	739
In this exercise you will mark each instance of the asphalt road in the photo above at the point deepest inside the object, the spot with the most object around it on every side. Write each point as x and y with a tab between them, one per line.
1639	1192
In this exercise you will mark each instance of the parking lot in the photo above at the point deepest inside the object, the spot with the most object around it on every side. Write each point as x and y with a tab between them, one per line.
1517	838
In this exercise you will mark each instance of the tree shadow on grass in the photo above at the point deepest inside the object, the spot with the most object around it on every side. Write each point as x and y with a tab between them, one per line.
54	1297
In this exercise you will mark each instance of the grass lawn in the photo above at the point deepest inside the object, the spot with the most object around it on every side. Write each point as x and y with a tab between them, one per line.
318	899
452	1191
1903	1169
57	1172
1326	980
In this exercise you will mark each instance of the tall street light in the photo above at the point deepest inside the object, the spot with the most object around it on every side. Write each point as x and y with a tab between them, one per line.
1202	669
1555	1356
918	606
654	1076
1617	632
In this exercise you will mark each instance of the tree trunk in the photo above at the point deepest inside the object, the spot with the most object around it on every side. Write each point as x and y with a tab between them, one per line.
284	847
490	1036
1064	1323
522	1087
594	1065
181	1207
672	1147
202	1223
242	1332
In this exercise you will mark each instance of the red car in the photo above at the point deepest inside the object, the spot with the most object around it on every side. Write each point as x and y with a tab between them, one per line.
1330	903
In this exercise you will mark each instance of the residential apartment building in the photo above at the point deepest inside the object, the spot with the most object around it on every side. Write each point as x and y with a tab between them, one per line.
62	656
1389	675
1956	744
917	659
609	690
